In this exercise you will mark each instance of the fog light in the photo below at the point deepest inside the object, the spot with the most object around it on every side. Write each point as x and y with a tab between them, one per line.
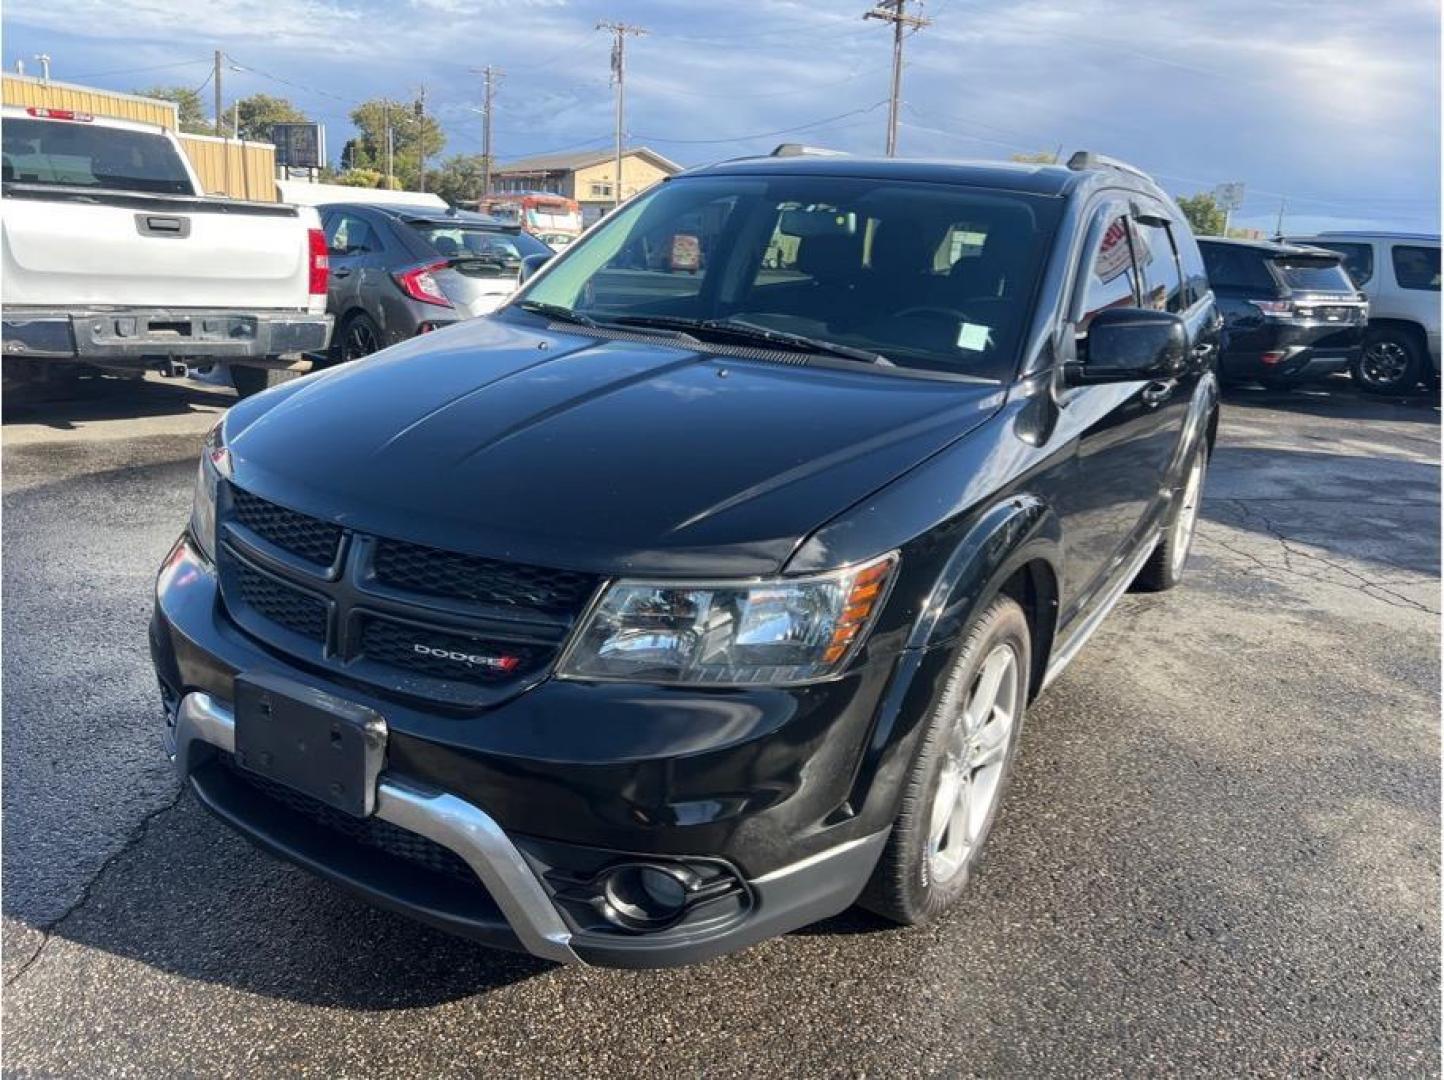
644	896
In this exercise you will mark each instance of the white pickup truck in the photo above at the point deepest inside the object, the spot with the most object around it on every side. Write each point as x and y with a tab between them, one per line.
114	257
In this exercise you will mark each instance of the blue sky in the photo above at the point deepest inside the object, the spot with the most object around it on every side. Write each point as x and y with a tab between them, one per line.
1331	103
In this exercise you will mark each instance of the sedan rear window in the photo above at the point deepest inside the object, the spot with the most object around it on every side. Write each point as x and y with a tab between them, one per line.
491	247
1314	275
78	154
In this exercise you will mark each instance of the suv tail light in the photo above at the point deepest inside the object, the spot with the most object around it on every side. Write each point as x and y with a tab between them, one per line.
320	262
1275	309
420	283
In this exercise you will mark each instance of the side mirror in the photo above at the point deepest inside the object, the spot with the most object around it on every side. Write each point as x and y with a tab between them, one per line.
530	264
1130	345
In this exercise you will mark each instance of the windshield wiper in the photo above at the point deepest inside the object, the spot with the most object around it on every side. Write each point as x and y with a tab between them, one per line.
558	312
776	339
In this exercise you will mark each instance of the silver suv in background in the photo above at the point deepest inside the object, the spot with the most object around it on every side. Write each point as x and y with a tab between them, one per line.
1399	273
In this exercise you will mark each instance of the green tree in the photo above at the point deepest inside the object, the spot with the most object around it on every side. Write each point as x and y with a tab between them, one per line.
260	112
367	178
188	102
1204	215
458	179
409	136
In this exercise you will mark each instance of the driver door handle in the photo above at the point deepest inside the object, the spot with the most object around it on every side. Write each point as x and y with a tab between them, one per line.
1156	393
341	272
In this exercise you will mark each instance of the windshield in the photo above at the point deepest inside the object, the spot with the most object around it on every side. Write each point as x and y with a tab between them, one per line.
79	154
500	250
928	276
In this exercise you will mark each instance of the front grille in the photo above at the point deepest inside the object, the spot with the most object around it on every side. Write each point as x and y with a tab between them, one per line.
313	540
283	604
371	831
407	619
459	657
484	581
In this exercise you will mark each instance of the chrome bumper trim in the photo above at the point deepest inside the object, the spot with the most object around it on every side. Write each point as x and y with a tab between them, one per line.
444	819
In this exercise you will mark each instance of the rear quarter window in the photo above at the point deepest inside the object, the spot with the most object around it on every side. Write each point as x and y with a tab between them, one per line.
1416	267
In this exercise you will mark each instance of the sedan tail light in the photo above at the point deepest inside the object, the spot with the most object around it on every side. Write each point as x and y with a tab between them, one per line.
320	262
420	283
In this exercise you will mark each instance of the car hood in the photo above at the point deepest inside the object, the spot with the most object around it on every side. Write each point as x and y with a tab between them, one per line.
616	456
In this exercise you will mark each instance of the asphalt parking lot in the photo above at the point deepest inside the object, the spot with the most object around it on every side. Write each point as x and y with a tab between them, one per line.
1220	854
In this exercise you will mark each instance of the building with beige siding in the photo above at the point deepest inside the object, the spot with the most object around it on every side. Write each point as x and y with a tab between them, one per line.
588	176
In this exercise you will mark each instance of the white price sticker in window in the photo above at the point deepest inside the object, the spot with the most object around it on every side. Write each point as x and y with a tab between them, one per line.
974	336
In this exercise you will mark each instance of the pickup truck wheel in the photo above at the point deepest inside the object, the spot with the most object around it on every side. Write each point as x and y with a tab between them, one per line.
1164	568
961	770
252	380
1389	362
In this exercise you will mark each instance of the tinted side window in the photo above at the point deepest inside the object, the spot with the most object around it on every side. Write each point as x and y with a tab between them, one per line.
347	234
1109	277
1416	267
1358	258
1162	282
1195	274
1234	267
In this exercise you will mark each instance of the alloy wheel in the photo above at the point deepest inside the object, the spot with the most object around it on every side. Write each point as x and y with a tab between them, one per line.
360	340
973	769
1183	524
1384	363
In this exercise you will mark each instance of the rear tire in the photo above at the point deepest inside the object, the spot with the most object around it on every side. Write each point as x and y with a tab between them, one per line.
960	773
1164	568
252	380
1389	363
357	336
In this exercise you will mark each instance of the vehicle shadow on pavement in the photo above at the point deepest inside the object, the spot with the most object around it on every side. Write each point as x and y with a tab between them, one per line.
100	398
194	899
1378	510
1337	399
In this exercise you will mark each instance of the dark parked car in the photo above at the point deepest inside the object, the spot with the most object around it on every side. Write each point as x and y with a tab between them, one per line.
689	599
399	271
1290	313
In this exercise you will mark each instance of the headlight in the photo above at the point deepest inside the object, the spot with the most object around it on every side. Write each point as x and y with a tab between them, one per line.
215	463
785	630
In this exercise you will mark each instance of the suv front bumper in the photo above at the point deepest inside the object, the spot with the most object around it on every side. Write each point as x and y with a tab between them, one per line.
121	335
531	841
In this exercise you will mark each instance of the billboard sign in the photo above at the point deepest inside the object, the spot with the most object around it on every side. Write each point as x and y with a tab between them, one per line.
299	146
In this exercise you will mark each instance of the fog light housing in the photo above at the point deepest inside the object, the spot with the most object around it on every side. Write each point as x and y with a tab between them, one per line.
646	896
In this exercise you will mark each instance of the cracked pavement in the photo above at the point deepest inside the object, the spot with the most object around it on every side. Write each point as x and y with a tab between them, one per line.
1220	853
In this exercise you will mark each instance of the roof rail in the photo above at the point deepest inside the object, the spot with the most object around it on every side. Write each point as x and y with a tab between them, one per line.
792	149
1087	159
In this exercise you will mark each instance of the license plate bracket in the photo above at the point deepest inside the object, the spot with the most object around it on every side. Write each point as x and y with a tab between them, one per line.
310	741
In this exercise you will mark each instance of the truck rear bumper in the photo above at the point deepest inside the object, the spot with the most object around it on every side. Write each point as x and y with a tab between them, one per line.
137	335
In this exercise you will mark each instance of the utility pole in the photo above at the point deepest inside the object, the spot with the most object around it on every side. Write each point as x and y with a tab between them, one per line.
44	59
619	32
895	12
491	76
386	121
421	136
216	75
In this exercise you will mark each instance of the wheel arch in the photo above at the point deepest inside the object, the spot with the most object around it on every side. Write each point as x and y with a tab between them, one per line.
1410	327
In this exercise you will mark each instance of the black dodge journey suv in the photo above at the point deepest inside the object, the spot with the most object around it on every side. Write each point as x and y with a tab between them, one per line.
699	592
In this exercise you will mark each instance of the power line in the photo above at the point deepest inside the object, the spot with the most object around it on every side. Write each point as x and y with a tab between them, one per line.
895	12
148	67
766	134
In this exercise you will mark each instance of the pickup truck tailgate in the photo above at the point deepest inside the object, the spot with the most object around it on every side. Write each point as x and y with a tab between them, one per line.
99	248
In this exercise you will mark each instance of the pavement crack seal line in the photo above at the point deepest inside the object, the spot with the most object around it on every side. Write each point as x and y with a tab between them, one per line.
1291	551
131	842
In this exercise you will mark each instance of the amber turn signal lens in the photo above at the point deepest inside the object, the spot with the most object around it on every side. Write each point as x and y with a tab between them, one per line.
862	598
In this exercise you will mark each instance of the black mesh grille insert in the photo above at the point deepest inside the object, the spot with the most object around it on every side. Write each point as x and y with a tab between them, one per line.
295	610
446	656
373	832
469	577
307	537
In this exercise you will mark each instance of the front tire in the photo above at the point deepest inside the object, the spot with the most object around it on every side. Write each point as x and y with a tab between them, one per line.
1389	363
960	772
1164	568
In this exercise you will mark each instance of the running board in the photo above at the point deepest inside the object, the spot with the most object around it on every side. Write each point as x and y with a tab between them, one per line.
1064	656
